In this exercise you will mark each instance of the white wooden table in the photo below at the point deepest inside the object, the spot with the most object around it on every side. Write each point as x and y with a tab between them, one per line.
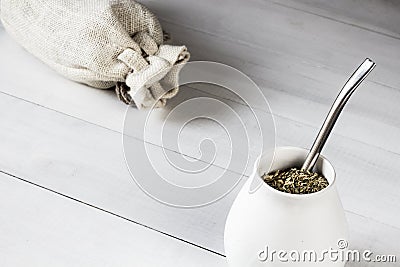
66	196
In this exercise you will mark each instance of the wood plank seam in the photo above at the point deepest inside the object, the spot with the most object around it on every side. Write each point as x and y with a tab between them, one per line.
302	123
255	46
197	89
108	212
372	219
336	20
148	227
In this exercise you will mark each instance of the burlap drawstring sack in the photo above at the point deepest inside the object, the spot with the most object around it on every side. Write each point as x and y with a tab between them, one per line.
100	43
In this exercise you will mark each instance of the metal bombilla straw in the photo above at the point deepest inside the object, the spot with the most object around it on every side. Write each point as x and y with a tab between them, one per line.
348	89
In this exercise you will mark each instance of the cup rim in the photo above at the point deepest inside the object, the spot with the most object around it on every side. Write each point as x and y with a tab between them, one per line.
290	195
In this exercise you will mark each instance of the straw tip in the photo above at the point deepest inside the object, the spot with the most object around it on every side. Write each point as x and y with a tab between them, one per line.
370	61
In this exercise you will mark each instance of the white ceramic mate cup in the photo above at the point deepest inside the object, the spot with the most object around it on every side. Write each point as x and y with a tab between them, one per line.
267	227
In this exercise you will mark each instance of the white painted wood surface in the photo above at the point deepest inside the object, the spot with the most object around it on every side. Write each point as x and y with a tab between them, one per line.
68	233
66	137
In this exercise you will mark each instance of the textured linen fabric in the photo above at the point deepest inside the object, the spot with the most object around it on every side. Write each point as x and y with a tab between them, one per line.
100	43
